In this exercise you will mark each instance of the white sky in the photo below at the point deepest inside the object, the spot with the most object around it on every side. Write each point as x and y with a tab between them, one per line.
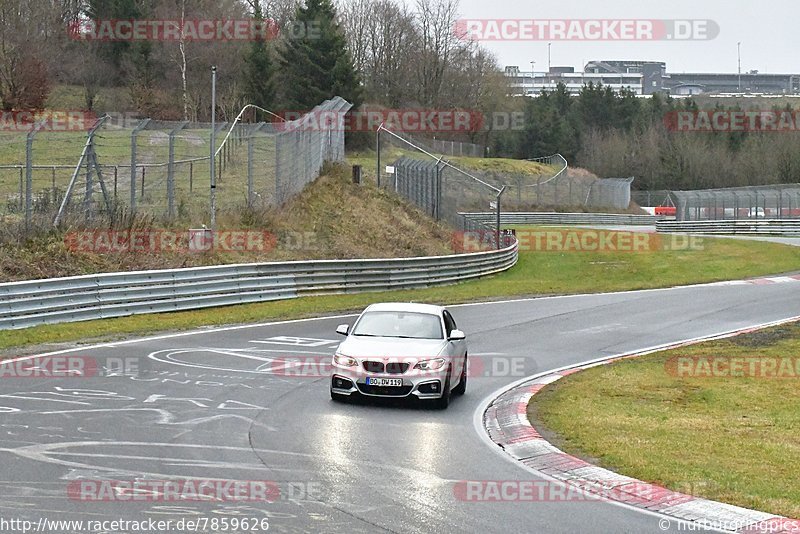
769	31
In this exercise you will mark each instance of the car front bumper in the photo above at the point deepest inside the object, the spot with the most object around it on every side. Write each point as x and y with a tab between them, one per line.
419	384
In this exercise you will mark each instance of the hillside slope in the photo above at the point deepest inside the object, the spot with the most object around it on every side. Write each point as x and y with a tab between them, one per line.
330	219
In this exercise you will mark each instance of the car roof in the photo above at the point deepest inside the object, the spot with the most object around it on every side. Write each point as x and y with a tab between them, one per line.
406	307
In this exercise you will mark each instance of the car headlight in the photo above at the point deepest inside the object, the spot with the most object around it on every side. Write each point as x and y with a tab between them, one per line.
430	365
344	361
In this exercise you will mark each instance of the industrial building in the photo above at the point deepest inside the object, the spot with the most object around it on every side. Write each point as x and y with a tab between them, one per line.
648	77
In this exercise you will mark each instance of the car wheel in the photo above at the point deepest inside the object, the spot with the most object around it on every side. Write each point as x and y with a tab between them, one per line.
461	388
444	401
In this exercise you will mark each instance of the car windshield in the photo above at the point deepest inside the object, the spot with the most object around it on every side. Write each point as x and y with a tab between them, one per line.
399	324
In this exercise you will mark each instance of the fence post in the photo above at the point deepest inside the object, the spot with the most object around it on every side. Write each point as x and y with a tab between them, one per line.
539	190
497	229
378	152
171	170
87	199
29	177
250	141
135	131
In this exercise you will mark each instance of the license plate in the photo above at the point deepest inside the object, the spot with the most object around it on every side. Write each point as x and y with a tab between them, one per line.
384	381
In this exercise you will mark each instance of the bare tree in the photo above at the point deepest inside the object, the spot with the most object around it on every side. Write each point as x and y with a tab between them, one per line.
438	41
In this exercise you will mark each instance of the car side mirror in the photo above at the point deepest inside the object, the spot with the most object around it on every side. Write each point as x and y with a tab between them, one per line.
343	329
457	335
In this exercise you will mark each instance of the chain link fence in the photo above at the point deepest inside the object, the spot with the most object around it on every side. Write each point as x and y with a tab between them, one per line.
439	188
654	198
162	168
755	202
455	148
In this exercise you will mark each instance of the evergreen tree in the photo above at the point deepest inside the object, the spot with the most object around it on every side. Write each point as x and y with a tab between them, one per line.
259	87
115	52
316	65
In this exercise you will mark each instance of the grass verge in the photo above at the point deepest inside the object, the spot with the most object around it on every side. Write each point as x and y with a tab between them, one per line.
537	273
728	439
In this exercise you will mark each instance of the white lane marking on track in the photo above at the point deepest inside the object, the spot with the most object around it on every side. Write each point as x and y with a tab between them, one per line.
295	341
269	365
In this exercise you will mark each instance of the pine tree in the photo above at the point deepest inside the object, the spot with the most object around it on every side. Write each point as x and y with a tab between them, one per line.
259	87
316	64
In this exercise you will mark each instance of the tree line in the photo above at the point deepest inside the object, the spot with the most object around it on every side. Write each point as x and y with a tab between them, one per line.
617	134
388	53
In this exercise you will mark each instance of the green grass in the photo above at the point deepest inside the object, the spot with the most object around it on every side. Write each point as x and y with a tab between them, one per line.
537	273
495	166
728	439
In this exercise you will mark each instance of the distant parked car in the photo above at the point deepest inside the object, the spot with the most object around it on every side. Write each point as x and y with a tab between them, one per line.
401	350
756	213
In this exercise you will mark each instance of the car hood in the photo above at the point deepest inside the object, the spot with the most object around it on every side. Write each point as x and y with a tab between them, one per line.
387	347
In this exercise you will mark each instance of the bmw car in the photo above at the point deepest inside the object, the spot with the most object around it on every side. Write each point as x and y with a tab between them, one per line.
401	350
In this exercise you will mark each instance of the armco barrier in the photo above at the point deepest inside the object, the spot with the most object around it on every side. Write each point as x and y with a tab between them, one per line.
512	217
787	227
81	298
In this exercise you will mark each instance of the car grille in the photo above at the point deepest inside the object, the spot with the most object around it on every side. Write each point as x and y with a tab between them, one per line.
392	368
373	367
396	368
389	391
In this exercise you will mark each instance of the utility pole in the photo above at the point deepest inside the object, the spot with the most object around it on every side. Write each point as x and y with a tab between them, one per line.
739	54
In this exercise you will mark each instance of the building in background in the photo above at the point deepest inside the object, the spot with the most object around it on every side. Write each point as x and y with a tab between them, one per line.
648	77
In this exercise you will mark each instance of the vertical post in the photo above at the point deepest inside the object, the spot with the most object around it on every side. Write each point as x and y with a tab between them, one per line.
171	177
569	202
135	131
28	178
191	175
133	171
89	194
21	192
497	207
213	192
116	172
171	170
278	166
539	190
143	171
250	142
378	152
55	195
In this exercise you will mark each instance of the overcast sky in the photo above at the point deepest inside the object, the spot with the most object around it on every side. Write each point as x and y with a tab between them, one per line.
769	31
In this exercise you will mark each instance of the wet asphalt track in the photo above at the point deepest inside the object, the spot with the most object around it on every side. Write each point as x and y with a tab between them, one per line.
210	405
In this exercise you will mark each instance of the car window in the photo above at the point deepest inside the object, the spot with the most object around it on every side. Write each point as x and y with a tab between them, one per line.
399	324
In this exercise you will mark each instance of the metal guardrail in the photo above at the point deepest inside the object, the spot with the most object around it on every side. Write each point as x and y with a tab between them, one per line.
788	227
81	298
565	218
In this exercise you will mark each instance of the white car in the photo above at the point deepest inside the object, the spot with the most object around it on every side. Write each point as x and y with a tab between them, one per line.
756	213
401	350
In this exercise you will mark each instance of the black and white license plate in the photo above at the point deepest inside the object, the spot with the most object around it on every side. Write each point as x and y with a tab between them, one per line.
384	382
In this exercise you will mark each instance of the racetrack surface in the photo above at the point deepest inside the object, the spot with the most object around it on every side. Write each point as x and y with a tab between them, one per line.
212	404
